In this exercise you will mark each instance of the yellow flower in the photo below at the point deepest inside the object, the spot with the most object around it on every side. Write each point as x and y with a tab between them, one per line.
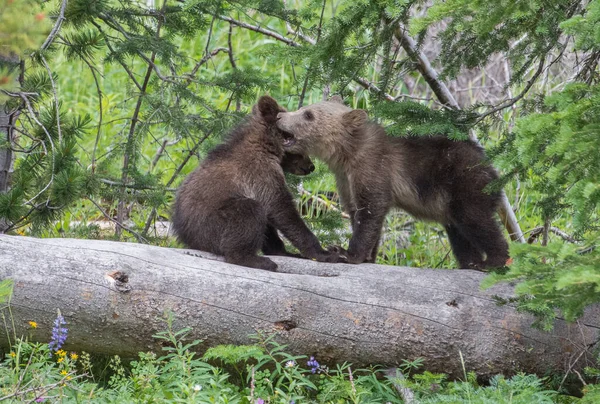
74	356
61	352
59	360
33	324
13	354
63	372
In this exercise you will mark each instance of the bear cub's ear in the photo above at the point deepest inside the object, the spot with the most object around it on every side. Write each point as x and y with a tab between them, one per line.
268	108
337	98
355	118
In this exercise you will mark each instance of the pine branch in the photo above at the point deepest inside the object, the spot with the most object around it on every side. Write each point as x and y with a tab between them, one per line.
55	95
258	29
305	85
134	121
112	50
512	101
424	67
361	81
56	27
233	64
33	116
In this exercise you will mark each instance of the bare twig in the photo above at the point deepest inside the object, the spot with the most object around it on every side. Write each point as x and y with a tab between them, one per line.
261	30
56	105
535	233
118	224
34	117
99	92
232	61
57	25
202	61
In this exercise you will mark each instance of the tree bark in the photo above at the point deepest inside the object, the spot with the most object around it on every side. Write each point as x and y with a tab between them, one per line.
113	296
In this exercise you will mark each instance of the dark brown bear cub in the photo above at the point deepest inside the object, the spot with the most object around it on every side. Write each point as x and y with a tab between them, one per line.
236	200
432	178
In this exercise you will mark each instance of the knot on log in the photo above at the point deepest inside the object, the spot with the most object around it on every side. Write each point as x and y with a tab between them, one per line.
119	281
286	325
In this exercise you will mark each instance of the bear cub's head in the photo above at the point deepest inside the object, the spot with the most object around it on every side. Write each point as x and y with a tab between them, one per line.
314	127
266	111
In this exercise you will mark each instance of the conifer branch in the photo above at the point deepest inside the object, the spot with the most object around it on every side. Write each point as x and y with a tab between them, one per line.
305	85
535	233
259	29
112	50
55	95
203	61
424	67
361	81
134	121
512	101
56	27
232	61
23	96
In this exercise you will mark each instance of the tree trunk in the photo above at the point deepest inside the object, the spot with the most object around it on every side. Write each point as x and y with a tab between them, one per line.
113	296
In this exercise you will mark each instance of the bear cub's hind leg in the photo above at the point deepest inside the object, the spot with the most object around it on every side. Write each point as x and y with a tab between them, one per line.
244	225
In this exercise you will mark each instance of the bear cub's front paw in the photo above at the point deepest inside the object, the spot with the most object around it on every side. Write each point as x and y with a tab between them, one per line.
329	255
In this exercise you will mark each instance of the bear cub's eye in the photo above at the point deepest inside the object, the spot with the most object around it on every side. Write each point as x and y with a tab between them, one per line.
309	116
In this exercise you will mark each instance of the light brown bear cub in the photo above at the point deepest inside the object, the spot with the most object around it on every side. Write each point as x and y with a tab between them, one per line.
236	200
432	178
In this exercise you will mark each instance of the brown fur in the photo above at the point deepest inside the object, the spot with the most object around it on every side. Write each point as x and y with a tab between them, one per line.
432	178
236	200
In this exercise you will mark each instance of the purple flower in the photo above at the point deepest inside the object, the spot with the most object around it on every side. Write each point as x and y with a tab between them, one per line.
40	400
260	401
59	333
313	365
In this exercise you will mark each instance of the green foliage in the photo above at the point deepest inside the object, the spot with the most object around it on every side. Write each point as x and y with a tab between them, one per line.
30	372
523	30
23	27
557	147
414	119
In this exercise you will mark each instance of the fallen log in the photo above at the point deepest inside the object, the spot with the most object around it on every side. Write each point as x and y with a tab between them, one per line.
113	296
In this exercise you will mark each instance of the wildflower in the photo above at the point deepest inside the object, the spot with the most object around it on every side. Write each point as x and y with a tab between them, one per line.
259	401
40	400
13	354
290	364
197	387
59	360
63	372
61	352
59	333
74	356
33	324
313	365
